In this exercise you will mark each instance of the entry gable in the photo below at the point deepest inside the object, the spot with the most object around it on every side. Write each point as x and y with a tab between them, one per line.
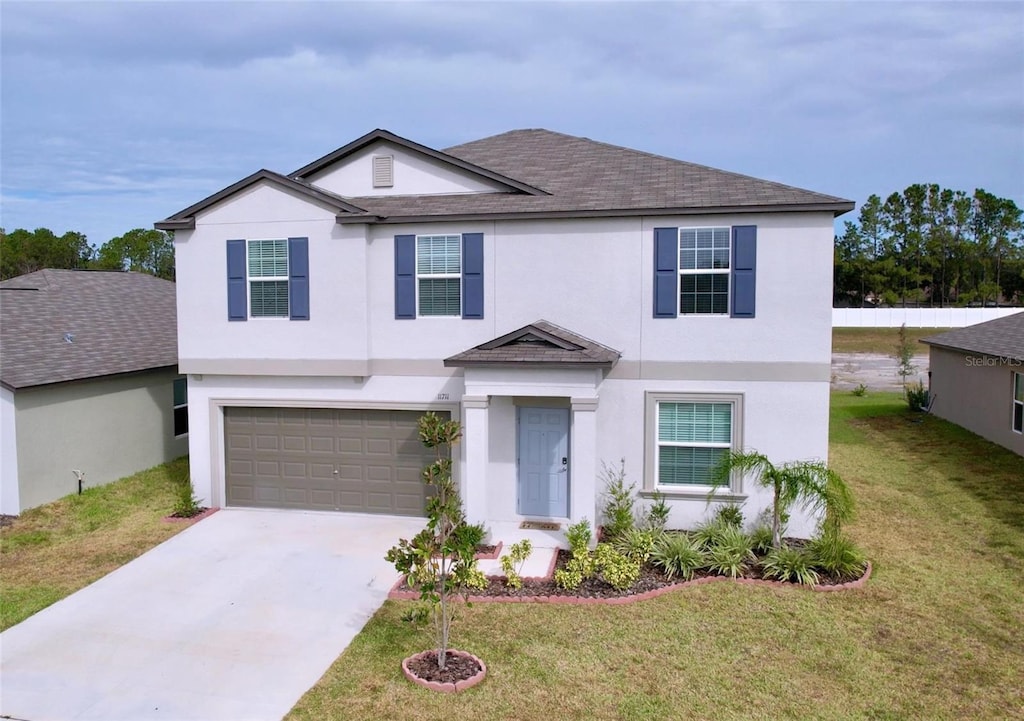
540	343
381	163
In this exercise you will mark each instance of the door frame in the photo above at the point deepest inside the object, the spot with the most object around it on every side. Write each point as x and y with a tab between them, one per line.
547	405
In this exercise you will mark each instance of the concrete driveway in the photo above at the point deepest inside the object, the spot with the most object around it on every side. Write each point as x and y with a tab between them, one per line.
234	618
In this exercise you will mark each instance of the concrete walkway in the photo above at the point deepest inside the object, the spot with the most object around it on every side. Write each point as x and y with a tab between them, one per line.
234	618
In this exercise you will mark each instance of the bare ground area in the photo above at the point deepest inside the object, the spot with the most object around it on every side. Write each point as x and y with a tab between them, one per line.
876	371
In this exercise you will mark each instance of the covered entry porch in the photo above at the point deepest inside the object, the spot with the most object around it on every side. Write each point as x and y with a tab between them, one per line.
529	416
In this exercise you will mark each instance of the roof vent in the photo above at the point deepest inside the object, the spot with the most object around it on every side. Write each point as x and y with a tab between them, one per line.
383	171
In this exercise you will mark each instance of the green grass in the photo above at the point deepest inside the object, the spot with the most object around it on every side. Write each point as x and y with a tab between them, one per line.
52	551
878	340
937	633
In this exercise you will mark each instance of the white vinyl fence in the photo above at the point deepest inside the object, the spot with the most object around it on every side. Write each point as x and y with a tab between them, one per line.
916	317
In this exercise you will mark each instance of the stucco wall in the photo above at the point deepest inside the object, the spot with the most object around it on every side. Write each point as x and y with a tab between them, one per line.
976	392
9	503
593	276
786	421
108	428
414	174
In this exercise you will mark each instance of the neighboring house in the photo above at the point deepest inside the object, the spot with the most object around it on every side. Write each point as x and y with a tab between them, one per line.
571	303
976	379
88	382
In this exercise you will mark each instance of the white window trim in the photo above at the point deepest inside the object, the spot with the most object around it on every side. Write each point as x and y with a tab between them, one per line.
734	492
727	272
438	276
175	407
1018	378
249	279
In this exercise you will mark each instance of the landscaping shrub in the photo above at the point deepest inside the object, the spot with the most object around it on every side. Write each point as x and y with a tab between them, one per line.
731	553
710	532
835	554
473	534
616	569
186	503
730	514
578	535
916	396
657	513
761	538
512	562
619	500
790	564
637	543
678	555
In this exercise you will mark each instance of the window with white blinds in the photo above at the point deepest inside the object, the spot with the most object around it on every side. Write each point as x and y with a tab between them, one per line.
691	439
268	278
439	274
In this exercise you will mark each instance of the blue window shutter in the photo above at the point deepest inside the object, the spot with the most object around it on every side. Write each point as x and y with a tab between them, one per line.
237	297
472	275
405	276
744	270
666	272
298	278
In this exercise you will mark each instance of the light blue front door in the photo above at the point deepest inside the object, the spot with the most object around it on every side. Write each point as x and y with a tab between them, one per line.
544	462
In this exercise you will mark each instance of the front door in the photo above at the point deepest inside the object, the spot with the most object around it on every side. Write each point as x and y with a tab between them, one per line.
544	462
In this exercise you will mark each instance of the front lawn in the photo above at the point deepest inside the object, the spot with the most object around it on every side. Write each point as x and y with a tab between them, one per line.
937	633
52	551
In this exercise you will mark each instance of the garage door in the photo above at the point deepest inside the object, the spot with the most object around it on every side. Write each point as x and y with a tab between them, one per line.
325	459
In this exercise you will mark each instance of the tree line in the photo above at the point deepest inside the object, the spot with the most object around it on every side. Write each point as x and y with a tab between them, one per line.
931	246
145	251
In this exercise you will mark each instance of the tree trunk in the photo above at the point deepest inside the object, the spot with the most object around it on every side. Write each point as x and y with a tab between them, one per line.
776	520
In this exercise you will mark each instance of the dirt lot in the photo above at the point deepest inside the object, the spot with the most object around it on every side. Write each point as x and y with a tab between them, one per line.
875	370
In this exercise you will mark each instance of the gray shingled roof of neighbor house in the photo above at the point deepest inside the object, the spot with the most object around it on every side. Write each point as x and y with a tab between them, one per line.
585	176
1002	337
66	325
539	342
552	175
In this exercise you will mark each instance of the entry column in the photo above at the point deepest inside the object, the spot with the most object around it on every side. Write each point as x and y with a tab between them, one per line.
473	484
582	484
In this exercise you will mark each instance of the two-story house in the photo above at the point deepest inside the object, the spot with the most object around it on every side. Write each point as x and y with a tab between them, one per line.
571	303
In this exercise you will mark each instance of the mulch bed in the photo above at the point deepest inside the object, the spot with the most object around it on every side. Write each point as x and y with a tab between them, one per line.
457	668
651	579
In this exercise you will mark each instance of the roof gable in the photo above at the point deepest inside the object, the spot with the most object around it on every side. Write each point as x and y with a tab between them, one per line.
540	343
186	219
1002	338
317	167
65	325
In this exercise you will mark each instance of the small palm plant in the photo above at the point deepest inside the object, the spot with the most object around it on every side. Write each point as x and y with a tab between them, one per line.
811	483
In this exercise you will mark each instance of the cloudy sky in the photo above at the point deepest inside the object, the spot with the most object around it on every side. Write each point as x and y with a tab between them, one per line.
115	115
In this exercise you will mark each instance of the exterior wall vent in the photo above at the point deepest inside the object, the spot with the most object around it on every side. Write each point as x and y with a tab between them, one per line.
383	171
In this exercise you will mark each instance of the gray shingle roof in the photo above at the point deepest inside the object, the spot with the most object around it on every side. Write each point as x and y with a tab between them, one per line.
549	175
1002	337
541	342
583	177
117	322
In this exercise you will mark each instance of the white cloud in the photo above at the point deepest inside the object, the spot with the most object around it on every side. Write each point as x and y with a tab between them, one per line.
117	114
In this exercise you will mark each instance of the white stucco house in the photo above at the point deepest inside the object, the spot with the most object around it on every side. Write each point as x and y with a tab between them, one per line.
89	384
571	303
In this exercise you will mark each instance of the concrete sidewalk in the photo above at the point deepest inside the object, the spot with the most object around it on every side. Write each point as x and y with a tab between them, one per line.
234	619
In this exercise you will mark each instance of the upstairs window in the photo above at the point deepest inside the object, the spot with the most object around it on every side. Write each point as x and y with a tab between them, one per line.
704	255
268	278
1018	402
439	275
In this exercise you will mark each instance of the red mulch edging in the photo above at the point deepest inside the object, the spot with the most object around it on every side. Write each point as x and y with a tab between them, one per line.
198	517
399	593
463	670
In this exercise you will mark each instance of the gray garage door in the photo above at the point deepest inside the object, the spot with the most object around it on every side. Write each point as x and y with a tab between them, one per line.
325	459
